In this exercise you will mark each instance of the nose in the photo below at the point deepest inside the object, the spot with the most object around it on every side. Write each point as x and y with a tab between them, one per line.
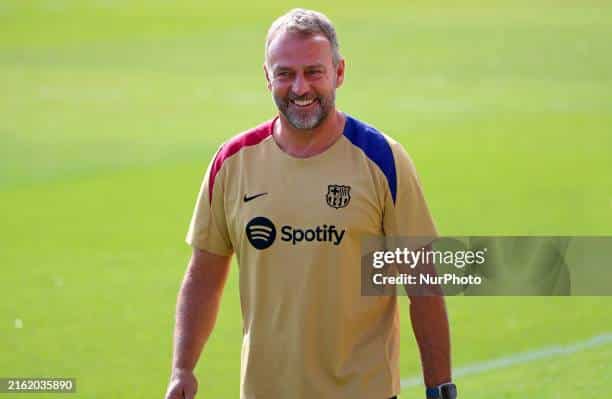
300	85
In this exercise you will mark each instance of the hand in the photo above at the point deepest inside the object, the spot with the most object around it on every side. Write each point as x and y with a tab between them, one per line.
183	385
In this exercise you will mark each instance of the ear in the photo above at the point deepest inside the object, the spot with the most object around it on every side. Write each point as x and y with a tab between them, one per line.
265	68
340	73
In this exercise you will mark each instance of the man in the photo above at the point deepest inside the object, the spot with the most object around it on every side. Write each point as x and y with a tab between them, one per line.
292	198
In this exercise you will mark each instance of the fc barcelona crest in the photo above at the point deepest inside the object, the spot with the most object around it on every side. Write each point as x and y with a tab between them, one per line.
338	196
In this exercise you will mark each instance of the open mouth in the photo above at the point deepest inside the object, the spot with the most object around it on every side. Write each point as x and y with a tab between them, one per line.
304	103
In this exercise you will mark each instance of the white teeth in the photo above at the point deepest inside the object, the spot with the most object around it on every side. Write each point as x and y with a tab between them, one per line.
303	103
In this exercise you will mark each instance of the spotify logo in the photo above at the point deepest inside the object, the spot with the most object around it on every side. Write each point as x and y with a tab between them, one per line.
261	232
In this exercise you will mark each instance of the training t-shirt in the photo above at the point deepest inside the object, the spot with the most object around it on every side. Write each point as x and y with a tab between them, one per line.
295	225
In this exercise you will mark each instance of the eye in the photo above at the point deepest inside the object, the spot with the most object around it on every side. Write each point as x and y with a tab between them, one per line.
282	74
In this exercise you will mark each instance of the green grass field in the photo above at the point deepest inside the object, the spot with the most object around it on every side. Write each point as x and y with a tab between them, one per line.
110	112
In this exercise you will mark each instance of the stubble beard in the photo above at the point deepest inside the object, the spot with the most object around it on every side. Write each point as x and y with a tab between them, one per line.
305	119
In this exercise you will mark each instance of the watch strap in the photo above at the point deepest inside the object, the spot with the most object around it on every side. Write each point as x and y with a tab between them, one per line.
442	391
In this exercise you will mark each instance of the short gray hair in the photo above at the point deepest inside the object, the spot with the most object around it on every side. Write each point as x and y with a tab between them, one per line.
307	23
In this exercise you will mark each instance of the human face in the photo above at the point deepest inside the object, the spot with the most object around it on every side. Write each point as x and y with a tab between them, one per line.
302	78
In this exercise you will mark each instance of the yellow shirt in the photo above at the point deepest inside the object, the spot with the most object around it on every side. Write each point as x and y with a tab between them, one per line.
296	225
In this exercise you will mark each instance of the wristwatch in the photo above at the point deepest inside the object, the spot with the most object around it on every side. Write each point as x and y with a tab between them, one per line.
442	391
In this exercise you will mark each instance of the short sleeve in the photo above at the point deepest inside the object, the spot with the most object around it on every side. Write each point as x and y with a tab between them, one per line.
208	228
406	213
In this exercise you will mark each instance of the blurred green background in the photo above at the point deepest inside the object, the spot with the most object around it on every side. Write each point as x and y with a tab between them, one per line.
111	110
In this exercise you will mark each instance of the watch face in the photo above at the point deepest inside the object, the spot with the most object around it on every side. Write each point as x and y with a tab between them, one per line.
449	391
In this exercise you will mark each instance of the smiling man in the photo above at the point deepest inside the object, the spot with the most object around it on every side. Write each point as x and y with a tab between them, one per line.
293	198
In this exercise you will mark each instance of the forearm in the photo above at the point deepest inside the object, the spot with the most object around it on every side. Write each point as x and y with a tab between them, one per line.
196	313
430	325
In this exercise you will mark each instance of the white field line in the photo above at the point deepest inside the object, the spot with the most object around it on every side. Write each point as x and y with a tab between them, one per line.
519	358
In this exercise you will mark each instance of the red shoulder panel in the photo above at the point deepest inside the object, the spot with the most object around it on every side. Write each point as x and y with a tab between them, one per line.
250	137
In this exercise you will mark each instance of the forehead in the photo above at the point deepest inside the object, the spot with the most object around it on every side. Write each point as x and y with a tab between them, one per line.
293	50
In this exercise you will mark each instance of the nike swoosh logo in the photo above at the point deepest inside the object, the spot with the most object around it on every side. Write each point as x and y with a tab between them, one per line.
252	197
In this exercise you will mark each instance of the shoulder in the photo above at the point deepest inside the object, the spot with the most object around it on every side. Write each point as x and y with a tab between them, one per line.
379	148
241	141
372	141
233	146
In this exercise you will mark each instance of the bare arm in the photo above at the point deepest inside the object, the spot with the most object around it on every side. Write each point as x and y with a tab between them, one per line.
430	326
196	313
431	330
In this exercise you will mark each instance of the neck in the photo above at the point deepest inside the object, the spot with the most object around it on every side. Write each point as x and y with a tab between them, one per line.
304	143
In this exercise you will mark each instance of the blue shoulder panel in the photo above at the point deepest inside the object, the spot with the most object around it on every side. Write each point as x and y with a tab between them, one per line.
375	147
